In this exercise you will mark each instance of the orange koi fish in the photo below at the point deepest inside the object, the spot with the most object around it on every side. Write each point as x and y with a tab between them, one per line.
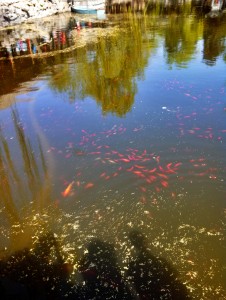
68	189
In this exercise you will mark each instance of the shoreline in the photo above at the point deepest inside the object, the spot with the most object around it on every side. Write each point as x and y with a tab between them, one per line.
16	12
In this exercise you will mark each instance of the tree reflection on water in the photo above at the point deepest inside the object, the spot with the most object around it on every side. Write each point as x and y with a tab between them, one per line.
102	61
25	182
105	71
12	181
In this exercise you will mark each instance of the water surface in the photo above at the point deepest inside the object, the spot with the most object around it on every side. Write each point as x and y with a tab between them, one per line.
121	127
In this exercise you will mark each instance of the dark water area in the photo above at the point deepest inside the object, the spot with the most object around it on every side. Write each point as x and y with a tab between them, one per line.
112	157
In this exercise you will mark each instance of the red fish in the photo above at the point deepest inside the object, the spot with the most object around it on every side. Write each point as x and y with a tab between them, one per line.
164	183
94	153
125	160
161	169
89	185
138	173
162	175
139	167
143	189
152	178
157	159
130	169
169	165
145	152
177	164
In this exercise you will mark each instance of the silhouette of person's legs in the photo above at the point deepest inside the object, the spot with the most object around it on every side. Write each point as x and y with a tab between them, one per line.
101	273
150	276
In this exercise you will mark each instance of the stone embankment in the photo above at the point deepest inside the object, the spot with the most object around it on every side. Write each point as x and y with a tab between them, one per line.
18	11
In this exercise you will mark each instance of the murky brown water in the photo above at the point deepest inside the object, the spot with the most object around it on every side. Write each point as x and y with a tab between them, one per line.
116	126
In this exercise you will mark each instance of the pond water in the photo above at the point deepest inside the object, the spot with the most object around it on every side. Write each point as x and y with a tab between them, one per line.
116	127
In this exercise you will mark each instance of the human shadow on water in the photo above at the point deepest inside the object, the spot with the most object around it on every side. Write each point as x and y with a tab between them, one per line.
152	277
38	274
101	274
42	274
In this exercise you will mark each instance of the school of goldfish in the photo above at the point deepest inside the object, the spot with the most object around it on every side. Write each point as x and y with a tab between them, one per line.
146	166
